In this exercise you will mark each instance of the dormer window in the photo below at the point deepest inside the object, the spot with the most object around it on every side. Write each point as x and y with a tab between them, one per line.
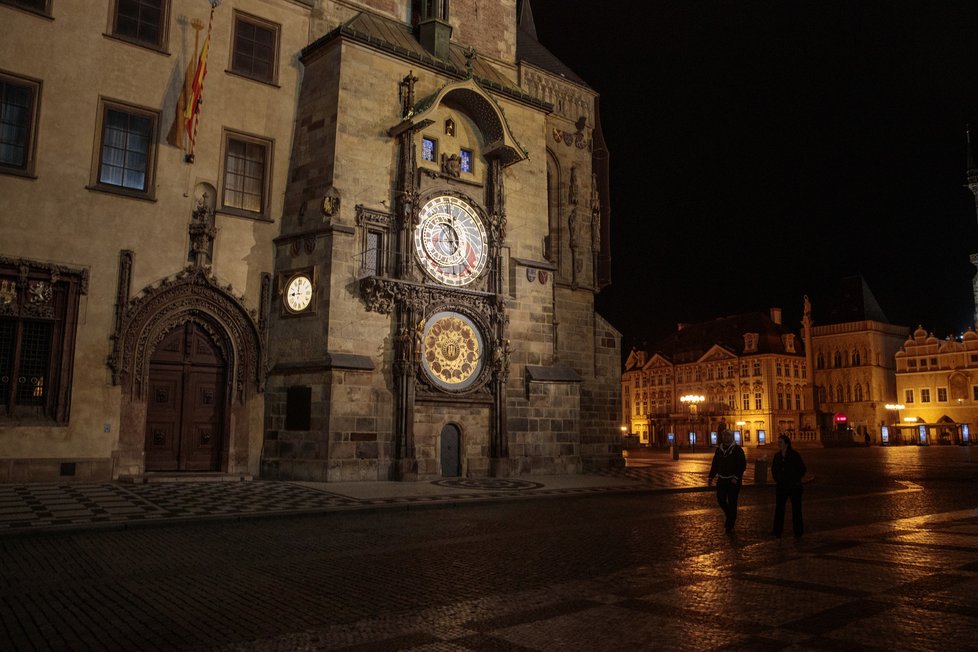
789	342
750	342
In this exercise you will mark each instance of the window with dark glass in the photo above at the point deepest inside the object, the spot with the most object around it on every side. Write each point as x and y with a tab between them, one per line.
140	21
38	314
127	149
39	6
373	253
18	108
245	173
255	48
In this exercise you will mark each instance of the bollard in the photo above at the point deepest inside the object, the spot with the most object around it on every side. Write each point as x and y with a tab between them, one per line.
675	452
760	470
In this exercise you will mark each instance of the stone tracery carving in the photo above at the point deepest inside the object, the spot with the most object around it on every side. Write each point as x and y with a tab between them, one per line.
192	294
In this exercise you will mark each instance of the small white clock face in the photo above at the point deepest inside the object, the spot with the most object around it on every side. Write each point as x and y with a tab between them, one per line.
450	241
298	293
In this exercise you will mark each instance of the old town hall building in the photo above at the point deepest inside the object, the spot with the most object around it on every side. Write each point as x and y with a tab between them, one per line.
299	239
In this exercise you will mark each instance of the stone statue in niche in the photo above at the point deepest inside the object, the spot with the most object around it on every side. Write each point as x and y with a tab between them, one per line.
202	229
449	127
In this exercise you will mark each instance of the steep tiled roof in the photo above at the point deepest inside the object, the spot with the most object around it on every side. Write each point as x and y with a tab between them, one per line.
693	340
852	301
398	39
529	49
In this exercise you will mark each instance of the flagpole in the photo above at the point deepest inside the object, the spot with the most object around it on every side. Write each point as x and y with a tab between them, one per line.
193	120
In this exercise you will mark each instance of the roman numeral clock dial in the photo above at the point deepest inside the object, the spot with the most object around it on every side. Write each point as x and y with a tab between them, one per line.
450	241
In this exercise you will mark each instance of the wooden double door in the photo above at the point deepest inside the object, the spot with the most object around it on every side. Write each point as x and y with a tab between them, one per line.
186	417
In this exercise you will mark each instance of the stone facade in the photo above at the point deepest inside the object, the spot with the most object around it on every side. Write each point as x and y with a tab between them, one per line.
266	300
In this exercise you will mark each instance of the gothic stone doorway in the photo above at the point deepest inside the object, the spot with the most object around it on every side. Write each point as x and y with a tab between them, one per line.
450	461
185	417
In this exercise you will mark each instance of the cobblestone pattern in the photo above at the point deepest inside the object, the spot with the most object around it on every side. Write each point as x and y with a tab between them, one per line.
909	589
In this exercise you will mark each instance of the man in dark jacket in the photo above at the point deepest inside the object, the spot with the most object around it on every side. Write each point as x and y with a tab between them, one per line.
788	469
729	464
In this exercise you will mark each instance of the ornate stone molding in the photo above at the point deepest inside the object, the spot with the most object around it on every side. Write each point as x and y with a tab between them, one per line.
33	297
193	294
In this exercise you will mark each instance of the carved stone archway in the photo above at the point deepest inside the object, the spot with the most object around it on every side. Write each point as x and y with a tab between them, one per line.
192	295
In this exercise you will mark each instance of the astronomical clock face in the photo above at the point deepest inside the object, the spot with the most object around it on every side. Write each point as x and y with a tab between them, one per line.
450	241
298	293
452	350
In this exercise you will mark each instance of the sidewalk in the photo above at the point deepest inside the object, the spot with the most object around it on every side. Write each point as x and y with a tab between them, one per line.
32	508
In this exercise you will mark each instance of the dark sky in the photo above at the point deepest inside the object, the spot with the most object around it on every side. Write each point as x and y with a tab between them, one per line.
761	151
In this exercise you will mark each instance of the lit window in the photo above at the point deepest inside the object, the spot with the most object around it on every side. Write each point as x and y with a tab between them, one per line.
127	149
466	157
37	339
140	21
427	149
246	167
255	48
18	116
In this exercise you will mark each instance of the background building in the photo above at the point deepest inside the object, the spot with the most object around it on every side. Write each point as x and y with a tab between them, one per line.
855	370
364	245
937	385
746	371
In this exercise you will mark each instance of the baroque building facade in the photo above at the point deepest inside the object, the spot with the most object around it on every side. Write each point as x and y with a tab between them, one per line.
746	372
367	249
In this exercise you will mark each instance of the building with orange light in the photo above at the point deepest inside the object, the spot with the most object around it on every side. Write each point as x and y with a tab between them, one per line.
747	372
855	374
937	389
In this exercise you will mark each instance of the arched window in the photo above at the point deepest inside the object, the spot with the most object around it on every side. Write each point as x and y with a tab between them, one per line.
858	392
821	394
838	359
820	361
839	396
855	358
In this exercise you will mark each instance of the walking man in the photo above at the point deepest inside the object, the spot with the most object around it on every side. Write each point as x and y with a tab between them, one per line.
788	469
729	464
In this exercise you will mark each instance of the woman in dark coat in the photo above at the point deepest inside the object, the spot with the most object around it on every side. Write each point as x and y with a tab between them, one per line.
788	469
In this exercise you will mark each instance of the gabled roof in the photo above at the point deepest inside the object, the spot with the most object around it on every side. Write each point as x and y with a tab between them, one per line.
396	38
694	340
851	301
528	48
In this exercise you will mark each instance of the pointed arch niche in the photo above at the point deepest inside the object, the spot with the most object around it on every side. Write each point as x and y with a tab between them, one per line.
195	296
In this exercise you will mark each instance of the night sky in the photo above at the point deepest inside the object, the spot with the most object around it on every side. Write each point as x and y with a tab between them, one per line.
761	151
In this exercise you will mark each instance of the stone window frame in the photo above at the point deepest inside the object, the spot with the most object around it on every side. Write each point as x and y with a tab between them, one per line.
30	140
236	66
268	146
36	292
160	44
149	171
39	7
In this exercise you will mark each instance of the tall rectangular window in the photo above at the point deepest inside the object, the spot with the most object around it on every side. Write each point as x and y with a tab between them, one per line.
127	149
140	21
18	117
37	331
925	395
758	401
466	160
942	394
373	253
908	396
746	401
428	148
246	164
255	49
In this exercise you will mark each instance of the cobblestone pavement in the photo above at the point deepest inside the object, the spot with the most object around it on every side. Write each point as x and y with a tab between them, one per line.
888	562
